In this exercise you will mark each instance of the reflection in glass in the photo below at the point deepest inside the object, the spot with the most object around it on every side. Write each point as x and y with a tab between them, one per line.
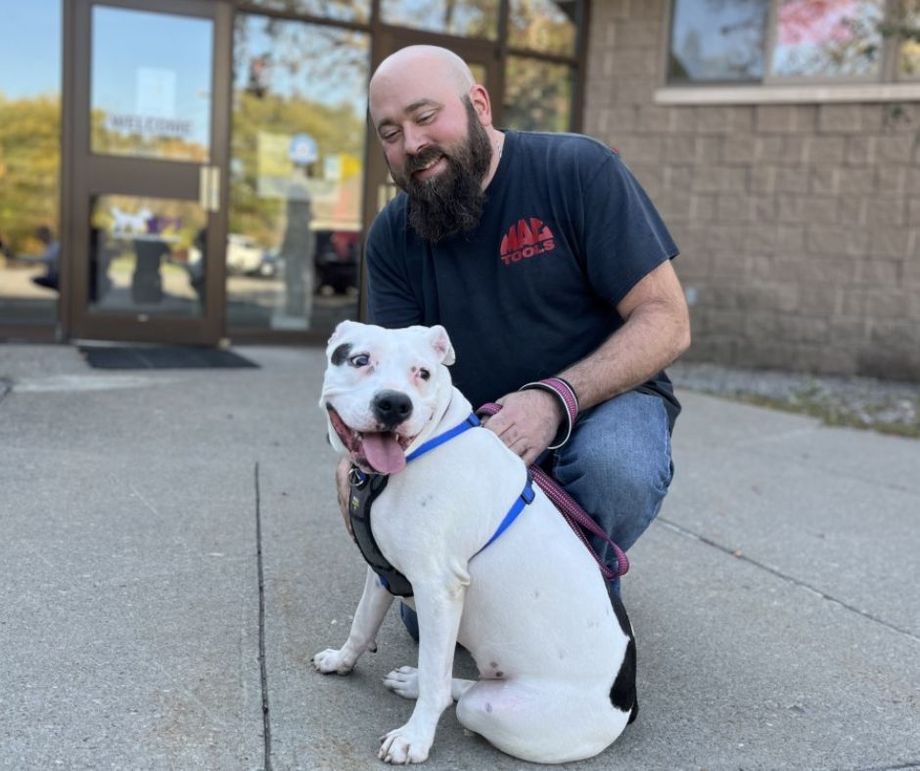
828	39
146	100
340	10
717	40
538	95
146	256
543	25
30	140
909	19
296	172
464	18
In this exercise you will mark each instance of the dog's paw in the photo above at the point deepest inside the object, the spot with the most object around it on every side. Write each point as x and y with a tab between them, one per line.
330	660
403	682
402	746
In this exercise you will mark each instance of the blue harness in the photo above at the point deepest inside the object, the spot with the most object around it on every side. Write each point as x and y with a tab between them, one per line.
366	487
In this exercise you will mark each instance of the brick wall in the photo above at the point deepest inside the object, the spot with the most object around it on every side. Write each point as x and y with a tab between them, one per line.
799	225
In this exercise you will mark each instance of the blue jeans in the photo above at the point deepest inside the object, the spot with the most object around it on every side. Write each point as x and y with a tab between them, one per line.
617	465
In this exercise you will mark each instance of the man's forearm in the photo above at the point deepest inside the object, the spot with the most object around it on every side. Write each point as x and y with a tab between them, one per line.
652	338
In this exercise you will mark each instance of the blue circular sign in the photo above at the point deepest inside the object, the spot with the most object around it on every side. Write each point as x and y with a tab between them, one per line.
303	149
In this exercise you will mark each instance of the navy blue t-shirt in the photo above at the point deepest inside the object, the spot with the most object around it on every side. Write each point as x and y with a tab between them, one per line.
566	232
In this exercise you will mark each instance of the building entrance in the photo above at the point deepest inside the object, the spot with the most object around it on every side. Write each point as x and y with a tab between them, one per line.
145	149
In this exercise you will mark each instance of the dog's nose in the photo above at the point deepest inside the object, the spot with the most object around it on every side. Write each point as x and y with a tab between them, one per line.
391	408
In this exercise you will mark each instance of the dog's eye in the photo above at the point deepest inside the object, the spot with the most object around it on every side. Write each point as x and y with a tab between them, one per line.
424	374
360	360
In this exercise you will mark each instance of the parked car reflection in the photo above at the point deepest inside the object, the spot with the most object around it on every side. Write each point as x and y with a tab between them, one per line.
337	260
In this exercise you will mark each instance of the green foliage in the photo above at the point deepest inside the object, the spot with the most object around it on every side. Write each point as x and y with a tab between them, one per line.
30	159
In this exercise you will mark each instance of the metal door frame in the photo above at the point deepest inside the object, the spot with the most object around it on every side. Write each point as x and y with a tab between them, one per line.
85	175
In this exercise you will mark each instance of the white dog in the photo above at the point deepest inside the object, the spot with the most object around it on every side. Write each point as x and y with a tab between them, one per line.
127	223
556	658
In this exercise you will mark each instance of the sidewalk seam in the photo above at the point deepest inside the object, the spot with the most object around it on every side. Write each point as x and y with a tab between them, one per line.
263	669
779	574
6	387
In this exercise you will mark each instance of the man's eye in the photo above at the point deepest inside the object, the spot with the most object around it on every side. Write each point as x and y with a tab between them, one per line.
426	117
360	360
424	374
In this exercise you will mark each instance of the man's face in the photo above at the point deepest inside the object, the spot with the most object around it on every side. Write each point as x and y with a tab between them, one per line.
438	152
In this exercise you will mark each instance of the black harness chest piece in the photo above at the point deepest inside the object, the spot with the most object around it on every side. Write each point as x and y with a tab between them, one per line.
364	489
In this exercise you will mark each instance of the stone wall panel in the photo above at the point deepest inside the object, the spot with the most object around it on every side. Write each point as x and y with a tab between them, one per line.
799	224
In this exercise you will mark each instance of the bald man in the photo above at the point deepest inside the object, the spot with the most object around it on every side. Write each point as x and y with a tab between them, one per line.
551	270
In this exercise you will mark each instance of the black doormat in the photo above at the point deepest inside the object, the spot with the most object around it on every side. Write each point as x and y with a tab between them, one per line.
161	357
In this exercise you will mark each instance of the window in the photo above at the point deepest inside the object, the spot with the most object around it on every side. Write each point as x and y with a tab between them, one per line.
297	166
793	41
466	18
717	41
906	27
538	95
340	10
30	141
543	25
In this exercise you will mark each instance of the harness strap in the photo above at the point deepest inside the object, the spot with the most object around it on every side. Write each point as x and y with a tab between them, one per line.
366	487
579	520
472	421
526	497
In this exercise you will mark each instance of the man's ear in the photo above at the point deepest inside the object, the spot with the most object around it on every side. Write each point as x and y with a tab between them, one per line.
440	341
479	97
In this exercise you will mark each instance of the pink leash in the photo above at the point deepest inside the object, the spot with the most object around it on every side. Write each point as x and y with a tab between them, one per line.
574	514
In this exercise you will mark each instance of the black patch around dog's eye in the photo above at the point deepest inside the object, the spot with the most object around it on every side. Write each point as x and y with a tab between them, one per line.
340	354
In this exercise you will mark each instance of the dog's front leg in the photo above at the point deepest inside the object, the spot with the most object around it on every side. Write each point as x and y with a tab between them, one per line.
373	606
439	604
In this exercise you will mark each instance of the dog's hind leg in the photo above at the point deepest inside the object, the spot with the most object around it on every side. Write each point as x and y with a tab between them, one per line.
542	721
372	608
404	682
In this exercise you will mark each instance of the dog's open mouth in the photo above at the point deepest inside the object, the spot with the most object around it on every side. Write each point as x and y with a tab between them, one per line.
382	452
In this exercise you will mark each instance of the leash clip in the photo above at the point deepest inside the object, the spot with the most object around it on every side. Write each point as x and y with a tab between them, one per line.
356	478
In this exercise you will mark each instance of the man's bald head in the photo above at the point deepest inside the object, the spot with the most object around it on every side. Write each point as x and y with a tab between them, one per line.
435	62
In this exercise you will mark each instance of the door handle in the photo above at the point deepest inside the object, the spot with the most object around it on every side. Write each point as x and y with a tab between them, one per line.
209	188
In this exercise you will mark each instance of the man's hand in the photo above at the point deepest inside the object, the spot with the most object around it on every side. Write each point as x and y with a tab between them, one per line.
343	490
528	422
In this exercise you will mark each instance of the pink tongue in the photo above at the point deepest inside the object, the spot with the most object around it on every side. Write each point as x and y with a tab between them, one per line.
383	453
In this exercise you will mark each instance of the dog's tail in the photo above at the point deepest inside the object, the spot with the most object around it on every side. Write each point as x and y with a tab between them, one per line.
623	693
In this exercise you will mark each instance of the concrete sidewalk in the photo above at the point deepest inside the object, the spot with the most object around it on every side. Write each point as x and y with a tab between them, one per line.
775	600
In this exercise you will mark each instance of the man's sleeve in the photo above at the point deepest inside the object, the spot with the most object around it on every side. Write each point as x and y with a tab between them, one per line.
625	237
390	300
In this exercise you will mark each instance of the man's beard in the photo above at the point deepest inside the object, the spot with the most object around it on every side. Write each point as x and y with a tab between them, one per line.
450	202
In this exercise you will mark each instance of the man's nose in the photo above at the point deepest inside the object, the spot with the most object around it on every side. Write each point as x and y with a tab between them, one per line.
416	140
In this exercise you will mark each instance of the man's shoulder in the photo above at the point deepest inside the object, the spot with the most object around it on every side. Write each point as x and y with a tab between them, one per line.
563	146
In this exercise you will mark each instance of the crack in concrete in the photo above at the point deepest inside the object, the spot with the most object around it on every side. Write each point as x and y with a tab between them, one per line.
680	530
266	722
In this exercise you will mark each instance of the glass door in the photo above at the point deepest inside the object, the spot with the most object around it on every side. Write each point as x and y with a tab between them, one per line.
148	146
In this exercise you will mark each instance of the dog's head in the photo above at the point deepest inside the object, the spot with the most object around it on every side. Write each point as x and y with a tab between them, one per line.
382	389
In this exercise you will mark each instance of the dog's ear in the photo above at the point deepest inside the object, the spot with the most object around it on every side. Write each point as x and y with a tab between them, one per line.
440	341
340	331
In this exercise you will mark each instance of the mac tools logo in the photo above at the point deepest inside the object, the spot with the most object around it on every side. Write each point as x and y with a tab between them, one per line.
528	238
